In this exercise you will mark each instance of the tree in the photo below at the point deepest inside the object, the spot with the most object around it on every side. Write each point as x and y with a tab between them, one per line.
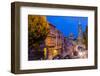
38	29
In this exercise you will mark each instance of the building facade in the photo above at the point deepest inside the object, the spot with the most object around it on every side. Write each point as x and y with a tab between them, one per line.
54	42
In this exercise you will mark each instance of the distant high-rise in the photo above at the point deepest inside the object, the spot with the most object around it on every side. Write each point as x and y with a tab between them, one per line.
80	33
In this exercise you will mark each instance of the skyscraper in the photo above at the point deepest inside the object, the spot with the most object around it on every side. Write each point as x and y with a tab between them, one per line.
80	33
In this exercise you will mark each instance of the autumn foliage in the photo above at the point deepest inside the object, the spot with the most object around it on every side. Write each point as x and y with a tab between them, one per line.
38	29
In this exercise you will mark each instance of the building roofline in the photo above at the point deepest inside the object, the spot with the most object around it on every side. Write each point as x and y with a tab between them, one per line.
51	24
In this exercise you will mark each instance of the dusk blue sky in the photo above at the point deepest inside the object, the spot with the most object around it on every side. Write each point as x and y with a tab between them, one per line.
68	24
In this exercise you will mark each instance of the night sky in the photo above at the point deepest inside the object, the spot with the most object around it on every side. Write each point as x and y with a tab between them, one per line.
68	24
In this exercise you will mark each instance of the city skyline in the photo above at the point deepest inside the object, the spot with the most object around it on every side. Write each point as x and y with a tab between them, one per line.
68	24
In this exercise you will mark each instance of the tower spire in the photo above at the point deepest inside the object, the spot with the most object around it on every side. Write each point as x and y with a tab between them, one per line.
80	33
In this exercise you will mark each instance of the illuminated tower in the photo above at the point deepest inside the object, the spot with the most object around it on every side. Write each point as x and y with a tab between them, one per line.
80	33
